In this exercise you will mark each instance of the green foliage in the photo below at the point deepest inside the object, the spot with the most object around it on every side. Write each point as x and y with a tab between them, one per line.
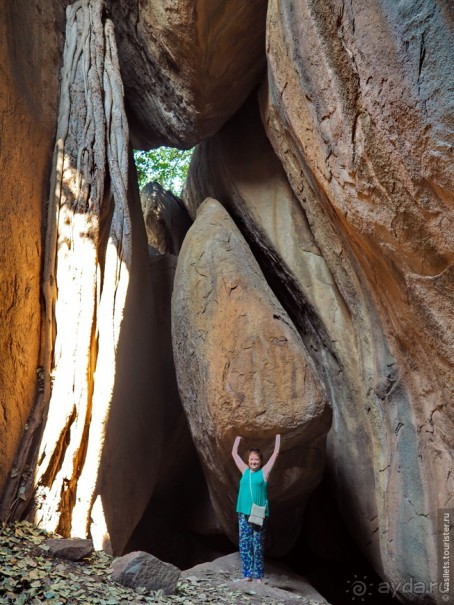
166	165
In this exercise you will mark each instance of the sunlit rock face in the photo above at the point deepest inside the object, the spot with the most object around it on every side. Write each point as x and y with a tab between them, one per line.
187	65
358	110
242	368
30	53
143	386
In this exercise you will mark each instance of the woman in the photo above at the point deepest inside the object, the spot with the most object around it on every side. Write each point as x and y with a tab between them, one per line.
252	489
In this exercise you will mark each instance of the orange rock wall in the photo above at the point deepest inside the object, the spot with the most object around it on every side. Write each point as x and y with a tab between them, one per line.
30	48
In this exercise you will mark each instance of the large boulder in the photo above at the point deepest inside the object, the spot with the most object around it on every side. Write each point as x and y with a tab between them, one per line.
179	57
242	368
358	108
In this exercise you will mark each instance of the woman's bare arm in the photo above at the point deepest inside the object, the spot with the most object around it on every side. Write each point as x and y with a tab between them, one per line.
269	465
242	466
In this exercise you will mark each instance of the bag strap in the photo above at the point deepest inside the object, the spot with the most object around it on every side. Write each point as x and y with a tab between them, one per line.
250	485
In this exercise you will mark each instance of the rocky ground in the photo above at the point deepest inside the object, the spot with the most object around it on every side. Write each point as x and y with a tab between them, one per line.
30	574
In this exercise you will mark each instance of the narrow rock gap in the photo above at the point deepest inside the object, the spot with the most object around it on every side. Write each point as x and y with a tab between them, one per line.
164	530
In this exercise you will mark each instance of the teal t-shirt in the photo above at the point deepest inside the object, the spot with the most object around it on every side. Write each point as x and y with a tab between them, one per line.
256	481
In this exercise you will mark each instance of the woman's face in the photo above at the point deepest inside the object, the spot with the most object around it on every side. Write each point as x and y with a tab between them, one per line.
254	461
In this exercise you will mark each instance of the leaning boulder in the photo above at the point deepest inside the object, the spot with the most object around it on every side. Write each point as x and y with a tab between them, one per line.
142	570
243	369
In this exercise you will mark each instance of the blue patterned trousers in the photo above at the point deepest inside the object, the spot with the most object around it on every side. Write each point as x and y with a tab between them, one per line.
251	548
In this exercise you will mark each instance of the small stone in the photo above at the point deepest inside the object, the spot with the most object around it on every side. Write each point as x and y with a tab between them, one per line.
140	569
70	549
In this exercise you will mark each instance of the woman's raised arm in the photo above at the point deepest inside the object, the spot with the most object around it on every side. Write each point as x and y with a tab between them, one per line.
269	465
242	466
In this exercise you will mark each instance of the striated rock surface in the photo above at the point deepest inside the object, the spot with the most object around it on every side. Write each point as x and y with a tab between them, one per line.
100	441
178	59
243	369
359	109
31	42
